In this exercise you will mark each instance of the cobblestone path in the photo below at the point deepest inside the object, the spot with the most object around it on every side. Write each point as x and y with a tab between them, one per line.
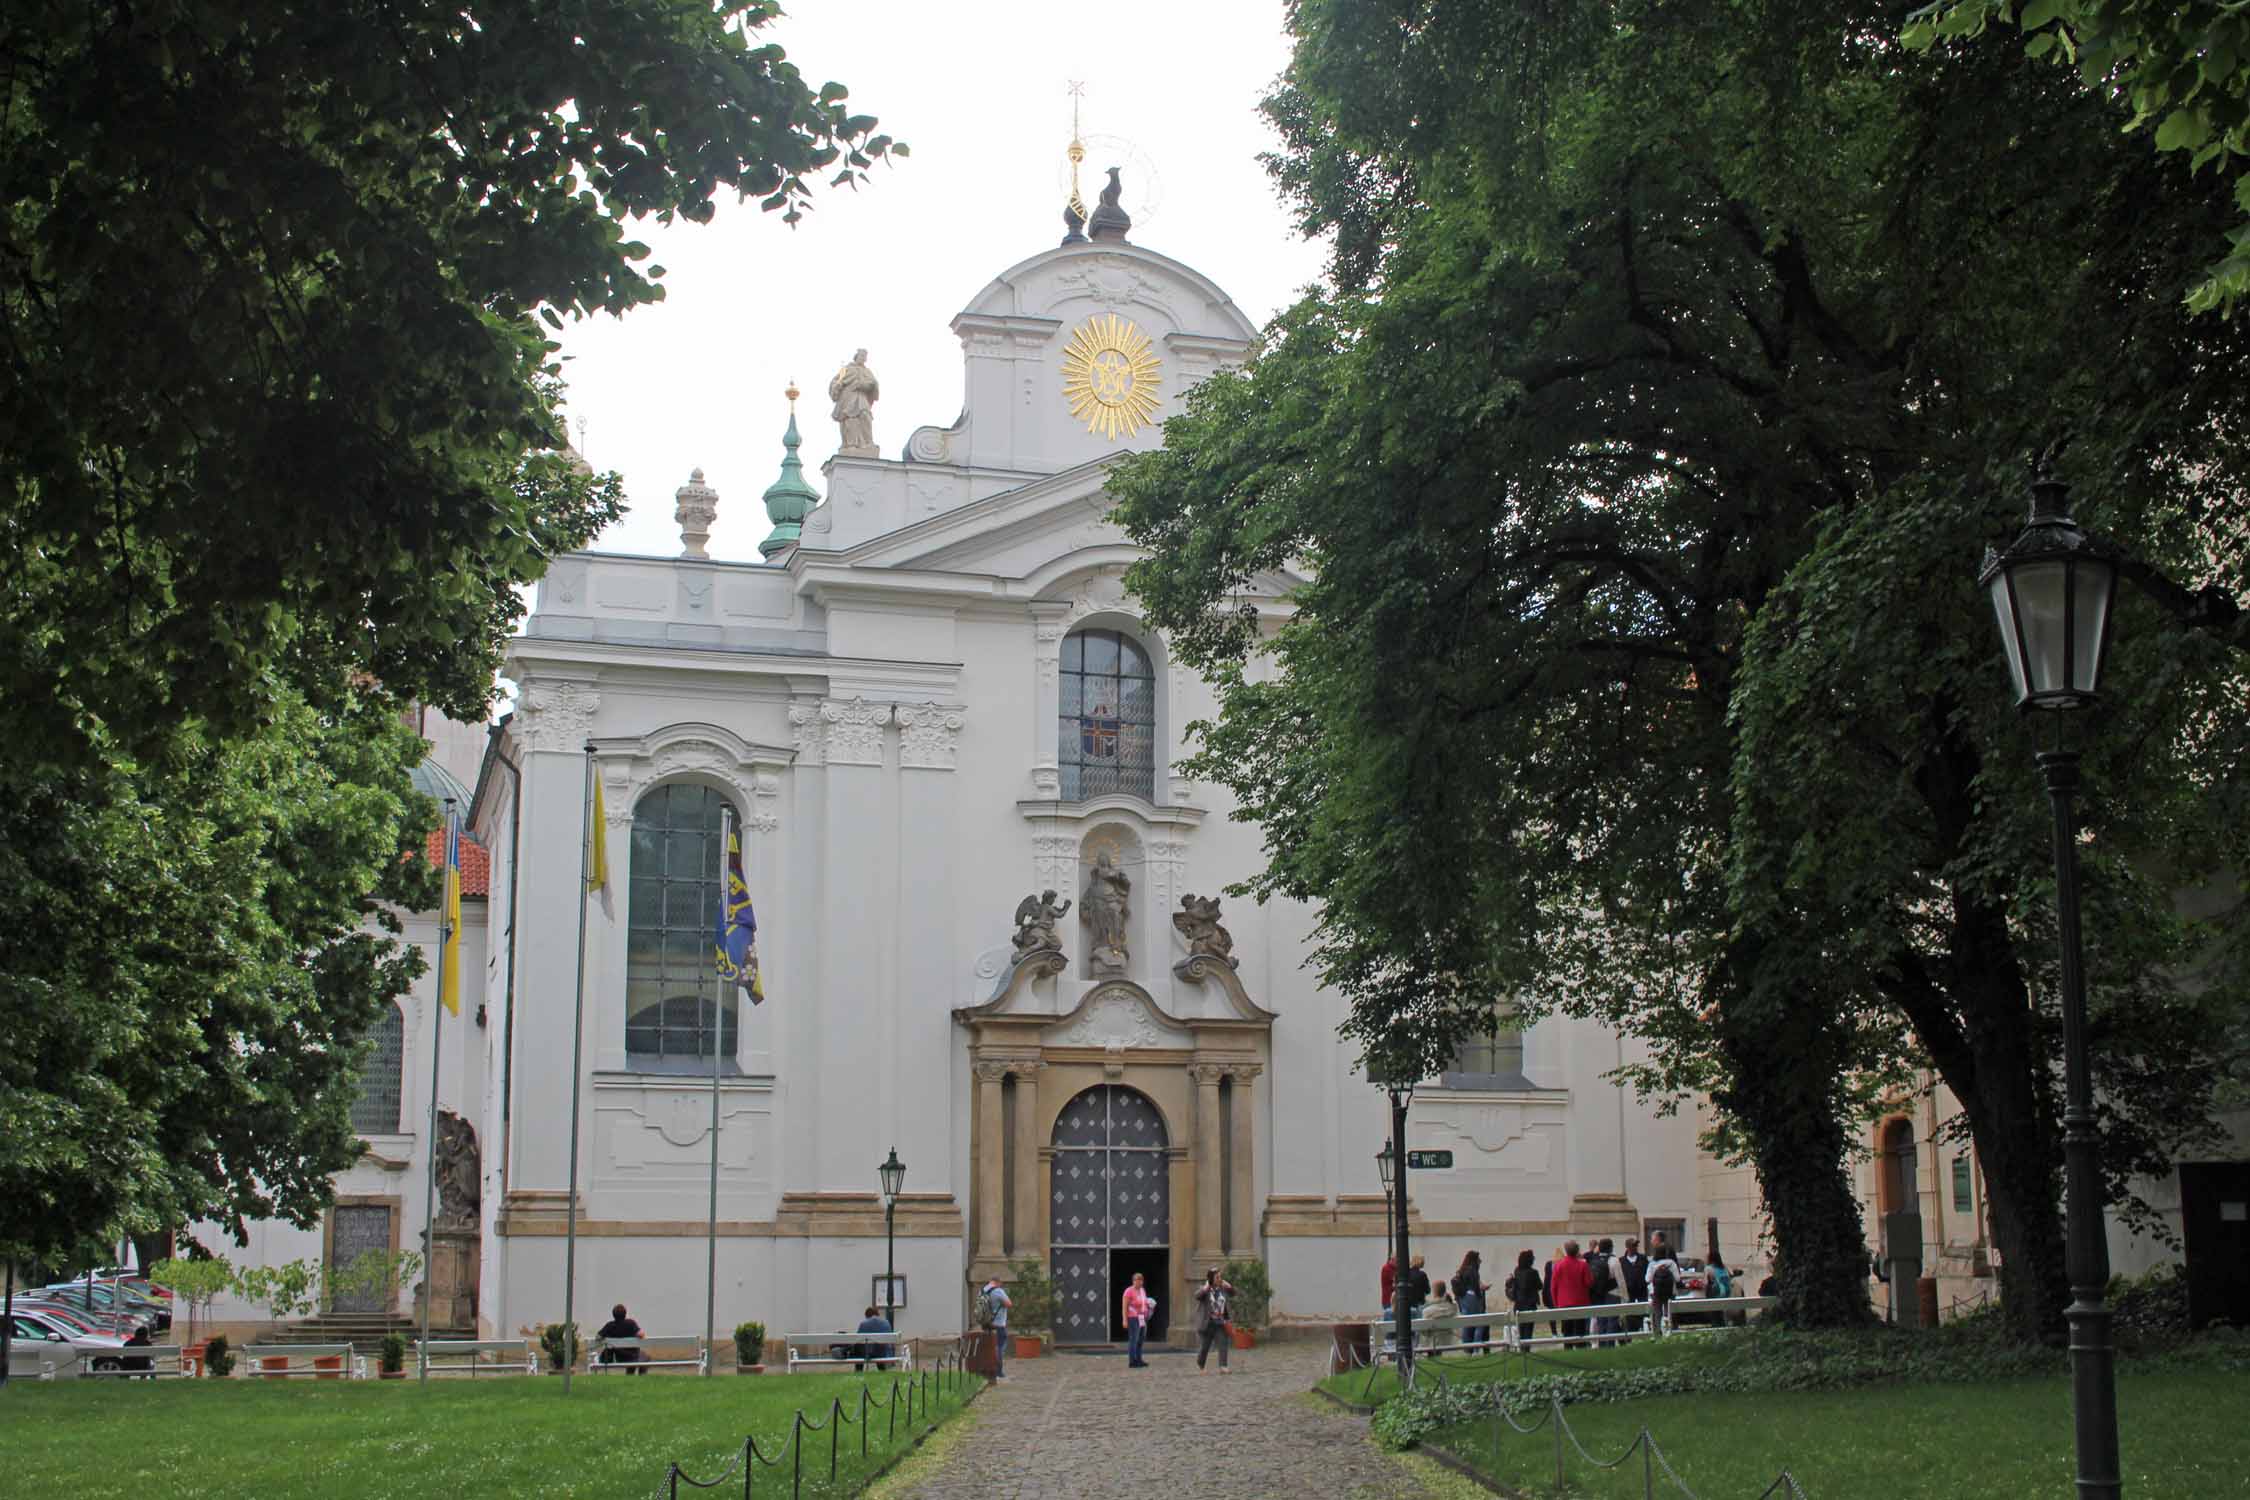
1083	1427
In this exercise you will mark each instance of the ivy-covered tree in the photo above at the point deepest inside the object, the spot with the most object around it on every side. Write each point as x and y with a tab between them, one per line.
280	444
1636	317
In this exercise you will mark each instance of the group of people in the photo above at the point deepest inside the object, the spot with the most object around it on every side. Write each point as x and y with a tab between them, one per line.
1212	1320
1569	1281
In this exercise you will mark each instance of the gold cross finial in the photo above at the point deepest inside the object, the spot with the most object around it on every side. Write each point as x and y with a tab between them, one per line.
1077	153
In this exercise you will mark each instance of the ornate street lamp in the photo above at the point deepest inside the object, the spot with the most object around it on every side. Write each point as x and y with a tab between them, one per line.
1391	1162
893	1176
2051	591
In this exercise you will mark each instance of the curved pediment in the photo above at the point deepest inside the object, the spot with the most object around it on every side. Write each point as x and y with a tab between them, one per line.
1117	1013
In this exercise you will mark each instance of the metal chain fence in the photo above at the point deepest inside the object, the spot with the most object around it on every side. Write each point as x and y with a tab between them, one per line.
947	1380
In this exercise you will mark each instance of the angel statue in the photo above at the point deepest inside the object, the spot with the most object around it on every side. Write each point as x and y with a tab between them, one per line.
1198	922
1036	917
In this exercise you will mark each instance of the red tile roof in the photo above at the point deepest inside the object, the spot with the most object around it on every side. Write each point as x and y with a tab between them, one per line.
476	863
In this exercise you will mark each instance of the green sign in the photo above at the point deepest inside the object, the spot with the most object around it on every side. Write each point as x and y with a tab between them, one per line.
1429	1158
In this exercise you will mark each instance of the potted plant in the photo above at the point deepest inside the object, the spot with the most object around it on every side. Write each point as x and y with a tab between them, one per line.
559	1342
392	1360
1031	1294
216	1357
287	1291
1253	1295
195	1283
749	1348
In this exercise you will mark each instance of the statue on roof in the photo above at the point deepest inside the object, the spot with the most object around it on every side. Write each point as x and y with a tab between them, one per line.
1036	917
855	393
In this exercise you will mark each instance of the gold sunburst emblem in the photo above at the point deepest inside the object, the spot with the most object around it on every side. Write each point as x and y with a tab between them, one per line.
1110	377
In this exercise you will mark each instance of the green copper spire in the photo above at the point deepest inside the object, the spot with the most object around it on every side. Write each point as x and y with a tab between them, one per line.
789	499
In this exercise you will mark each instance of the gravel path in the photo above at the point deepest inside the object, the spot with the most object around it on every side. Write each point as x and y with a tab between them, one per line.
1085	1427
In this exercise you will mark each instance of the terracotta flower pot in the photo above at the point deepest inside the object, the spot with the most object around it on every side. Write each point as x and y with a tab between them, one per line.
1029	1346
275	1363
1243	1337
749	1369
327	1362
393	1374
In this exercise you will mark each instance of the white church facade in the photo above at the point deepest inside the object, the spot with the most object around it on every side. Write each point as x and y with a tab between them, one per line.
930	705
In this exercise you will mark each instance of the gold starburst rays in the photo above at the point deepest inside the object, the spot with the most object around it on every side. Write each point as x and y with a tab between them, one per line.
1110	377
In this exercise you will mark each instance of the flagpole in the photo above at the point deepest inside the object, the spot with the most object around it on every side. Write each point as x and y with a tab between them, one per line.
429	1143
718	1030
577	1050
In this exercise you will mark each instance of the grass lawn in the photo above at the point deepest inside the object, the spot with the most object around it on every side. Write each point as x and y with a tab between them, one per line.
2002	1440
613	1437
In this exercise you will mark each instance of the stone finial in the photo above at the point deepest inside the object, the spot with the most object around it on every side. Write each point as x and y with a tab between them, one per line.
789	499
695	507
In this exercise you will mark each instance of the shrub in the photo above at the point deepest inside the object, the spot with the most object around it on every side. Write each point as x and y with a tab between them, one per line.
2150	1311
393	1356
1253	1291
1031	1297
749	1343
217	1358
559	1342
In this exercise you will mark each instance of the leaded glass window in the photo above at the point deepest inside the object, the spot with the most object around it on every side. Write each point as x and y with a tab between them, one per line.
1106	740
375	1111
671	923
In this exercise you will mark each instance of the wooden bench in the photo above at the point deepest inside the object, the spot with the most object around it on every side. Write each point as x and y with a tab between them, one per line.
698	1360
349	1365
901	1356
473	1357
151	1361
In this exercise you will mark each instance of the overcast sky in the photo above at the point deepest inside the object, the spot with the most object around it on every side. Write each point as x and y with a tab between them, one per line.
979	90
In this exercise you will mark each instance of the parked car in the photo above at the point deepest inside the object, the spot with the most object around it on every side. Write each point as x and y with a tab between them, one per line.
35	1351
99	1351
104	1296
78	1318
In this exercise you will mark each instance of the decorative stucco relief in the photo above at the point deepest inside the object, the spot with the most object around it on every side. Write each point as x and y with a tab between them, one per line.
556	715
855	730
810	733
927	734
1115	1020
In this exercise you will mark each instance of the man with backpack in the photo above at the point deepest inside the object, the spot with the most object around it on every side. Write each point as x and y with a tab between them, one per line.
1633	1267
992	1315
1663	1284
1601	1272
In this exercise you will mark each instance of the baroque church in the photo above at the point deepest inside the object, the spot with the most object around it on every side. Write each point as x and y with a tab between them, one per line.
991	936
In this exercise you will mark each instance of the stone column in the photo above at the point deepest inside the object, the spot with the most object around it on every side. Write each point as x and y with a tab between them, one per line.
1243	1186
1031	1205
1208	1182
988	1166
1048	625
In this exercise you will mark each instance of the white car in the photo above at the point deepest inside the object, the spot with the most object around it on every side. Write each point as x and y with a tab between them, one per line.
36	1351
99	1351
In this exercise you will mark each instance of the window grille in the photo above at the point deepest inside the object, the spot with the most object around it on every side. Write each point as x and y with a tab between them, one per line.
375	1111
1106	740
671	928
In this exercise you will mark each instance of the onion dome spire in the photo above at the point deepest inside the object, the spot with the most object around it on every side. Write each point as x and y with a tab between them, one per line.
789	499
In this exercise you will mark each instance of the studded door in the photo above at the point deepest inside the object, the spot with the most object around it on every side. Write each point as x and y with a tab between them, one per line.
357	1228
1112	1189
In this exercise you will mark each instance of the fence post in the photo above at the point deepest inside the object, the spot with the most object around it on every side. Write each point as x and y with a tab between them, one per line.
1648	1466
863	1421
749	1465
672	1480
892	1436
1555	1407
797	1457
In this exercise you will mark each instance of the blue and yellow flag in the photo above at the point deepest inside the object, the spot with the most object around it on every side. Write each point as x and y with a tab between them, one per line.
738	927
449	962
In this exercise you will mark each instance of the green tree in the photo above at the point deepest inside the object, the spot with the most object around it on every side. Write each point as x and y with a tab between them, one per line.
281	419
273	275
1633	315
2182	68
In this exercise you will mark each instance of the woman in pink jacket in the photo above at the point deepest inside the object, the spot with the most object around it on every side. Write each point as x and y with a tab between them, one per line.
1139	1308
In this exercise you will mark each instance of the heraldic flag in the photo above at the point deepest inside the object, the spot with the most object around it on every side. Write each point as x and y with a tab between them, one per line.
738	927
449	981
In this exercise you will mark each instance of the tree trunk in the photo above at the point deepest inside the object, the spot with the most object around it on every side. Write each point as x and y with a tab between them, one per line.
1783	1060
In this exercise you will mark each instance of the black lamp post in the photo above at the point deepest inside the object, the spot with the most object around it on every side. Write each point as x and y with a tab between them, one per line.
1386	1162
1394	1180
893	1175
2051	592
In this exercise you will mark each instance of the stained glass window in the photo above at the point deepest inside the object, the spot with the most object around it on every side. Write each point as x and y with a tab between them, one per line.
375	1111
670	927
1106	740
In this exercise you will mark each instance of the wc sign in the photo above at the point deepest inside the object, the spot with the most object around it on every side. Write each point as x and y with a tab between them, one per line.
1429	1158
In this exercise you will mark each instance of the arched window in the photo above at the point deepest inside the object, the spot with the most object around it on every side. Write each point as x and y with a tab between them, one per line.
375	1111
670	933
1106	741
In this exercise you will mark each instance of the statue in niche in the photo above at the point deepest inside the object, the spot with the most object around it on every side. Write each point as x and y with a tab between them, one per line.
1106	908
1036	917
1198	922
855	393
457	1172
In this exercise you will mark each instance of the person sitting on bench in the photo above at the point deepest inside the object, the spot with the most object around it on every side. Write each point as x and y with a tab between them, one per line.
874	1322
621	1327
